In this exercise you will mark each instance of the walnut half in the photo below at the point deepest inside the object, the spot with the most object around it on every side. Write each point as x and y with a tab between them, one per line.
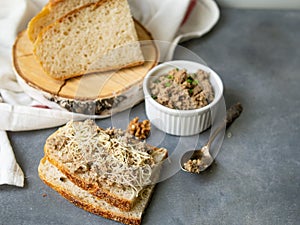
140	130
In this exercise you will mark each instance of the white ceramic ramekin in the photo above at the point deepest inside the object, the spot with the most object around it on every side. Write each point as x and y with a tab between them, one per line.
180	122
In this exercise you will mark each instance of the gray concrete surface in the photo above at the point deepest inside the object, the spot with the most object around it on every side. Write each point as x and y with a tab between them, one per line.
256	177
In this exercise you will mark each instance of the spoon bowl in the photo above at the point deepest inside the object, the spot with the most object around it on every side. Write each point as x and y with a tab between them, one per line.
196	161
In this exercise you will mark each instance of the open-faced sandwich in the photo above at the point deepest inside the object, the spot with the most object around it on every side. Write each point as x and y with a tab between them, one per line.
106	172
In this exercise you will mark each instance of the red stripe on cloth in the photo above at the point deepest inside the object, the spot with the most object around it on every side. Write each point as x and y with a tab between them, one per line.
189	11
41	106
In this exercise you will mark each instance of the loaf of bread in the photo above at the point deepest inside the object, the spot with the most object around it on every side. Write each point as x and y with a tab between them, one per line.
51	12
93	38
109	164
83	199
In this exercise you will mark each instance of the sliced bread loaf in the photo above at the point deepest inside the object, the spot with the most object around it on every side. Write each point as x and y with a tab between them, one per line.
93	38
83	199
108	163
51	12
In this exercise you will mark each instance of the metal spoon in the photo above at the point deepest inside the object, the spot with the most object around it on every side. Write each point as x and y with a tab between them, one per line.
196	161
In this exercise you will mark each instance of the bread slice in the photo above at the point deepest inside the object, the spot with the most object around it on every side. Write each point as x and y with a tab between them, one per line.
90	158
83	199
96	37
51	12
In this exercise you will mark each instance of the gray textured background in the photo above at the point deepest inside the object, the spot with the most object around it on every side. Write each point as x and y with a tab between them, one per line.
255	179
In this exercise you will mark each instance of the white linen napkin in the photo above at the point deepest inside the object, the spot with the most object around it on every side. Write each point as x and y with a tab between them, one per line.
10	171
167	20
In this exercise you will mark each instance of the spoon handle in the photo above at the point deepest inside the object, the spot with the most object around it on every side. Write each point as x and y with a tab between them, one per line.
231	114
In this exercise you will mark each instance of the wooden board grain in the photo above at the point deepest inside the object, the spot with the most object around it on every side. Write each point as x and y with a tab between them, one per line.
87	87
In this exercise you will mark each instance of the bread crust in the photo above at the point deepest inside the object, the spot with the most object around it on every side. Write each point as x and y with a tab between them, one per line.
34	21
50	8
89	207
52	3
74	75
93	5
94	188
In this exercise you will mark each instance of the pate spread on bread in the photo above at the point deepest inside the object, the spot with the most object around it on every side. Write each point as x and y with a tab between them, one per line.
54	178
111	165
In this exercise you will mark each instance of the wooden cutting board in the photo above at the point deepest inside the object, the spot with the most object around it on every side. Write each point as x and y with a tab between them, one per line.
89	87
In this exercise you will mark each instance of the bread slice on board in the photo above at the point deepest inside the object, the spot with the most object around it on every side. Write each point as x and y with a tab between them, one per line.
98	161
93	38
83	199
51	12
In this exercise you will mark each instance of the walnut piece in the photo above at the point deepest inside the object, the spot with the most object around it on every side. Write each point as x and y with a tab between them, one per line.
140	130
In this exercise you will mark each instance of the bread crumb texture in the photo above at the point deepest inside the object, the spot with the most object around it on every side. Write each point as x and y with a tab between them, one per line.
96	37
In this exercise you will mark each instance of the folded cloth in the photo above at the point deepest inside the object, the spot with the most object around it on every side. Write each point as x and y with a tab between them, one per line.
170	21
10	172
